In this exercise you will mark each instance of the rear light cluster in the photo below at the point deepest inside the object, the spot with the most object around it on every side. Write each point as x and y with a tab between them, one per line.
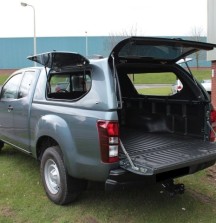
109	140
213	124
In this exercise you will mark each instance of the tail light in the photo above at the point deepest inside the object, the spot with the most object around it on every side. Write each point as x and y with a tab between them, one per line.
213	123
109	140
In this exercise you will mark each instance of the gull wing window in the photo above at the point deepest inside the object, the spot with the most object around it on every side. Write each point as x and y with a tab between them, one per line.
69	86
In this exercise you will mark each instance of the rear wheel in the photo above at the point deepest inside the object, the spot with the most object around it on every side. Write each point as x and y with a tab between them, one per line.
59	186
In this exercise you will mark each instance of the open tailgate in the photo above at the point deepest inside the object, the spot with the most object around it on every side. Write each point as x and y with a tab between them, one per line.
153	153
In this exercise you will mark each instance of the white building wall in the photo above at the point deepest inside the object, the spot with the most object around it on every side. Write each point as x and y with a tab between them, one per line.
211	28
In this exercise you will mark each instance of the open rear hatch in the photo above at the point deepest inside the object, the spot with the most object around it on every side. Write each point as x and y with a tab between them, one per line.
148	153
149	49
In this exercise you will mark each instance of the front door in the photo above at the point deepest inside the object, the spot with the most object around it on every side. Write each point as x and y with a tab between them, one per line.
8	98
15	110
21	111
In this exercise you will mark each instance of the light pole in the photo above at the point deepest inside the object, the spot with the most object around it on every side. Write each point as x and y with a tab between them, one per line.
86	43
35	47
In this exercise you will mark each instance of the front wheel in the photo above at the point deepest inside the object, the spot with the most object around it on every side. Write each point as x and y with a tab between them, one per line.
59	186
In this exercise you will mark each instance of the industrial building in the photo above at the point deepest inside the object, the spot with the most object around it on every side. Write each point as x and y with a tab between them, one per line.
211	37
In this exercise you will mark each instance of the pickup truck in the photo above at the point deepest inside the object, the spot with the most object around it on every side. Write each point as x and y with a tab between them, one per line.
85	121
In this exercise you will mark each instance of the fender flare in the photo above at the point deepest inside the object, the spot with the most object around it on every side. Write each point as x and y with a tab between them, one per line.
57	128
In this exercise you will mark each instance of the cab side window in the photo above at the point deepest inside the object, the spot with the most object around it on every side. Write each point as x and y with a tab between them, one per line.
69	86
11	88
17	86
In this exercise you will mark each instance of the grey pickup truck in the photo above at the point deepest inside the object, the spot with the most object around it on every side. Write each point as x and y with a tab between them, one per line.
84	120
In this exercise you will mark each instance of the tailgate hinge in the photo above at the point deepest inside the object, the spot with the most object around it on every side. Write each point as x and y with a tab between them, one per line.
212	129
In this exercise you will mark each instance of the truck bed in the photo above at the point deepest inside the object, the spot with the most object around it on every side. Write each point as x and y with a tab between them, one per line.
155	153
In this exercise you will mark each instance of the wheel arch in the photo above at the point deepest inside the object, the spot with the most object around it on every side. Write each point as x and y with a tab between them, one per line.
43	143
53	130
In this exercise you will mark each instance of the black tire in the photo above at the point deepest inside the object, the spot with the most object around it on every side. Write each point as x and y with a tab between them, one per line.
59	186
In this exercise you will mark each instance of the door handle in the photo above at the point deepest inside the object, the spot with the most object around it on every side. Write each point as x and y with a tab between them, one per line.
10	108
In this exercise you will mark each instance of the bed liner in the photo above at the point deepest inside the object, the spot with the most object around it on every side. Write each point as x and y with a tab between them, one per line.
154	153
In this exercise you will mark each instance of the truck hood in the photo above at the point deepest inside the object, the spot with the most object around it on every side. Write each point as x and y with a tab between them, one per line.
150	49
55	60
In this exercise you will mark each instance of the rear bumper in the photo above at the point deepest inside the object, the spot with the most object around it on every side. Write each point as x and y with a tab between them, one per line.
122	179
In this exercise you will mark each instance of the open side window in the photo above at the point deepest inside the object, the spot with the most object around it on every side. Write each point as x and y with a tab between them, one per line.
69	77
69	85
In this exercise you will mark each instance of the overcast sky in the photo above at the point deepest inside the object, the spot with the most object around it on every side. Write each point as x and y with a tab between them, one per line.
102	18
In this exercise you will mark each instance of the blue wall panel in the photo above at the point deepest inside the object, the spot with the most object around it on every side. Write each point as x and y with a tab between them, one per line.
14	51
